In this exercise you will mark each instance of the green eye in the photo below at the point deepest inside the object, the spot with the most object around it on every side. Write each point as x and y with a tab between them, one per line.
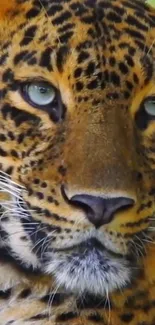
149	106
40	93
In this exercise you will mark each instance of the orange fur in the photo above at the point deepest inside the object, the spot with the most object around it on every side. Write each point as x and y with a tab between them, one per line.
6	6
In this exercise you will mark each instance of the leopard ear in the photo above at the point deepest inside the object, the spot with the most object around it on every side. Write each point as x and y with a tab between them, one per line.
5	6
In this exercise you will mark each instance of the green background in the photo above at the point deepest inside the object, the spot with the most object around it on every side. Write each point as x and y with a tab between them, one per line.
151	2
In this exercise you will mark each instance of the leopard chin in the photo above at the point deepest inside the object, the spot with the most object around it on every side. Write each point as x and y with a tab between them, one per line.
90	268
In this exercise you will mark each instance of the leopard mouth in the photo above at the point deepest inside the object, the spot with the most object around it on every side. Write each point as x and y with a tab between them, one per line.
90	268
85	267
91	244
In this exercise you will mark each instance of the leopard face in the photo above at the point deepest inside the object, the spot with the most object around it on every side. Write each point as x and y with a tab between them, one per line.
77	139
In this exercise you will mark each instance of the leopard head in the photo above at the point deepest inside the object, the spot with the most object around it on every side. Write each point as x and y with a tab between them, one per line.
77	139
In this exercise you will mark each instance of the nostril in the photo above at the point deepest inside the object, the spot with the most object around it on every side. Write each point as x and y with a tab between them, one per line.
77	203
87	202
122	203
82	205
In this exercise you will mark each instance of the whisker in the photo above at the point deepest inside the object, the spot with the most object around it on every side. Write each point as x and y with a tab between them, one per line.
51	299
47	243
109	305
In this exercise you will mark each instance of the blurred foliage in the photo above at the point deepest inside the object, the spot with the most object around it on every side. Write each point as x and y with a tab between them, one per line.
151	2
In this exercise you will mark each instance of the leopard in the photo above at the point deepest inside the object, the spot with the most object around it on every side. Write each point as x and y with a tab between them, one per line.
77	162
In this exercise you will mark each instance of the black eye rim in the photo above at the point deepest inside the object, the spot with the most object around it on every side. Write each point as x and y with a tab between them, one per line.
56	109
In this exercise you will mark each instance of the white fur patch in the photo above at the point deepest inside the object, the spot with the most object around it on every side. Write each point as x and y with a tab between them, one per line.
91	272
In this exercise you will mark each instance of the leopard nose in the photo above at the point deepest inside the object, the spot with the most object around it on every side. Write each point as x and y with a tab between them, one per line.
100	211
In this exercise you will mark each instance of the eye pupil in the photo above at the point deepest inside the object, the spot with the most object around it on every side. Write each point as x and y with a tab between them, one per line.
42	90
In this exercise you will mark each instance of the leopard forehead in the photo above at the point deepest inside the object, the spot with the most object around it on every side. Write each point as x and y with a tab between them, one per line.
83	38
96	51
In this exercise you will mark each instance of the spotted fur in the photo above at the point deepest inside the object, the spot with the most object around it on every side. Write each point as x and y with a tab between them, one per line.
59	266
